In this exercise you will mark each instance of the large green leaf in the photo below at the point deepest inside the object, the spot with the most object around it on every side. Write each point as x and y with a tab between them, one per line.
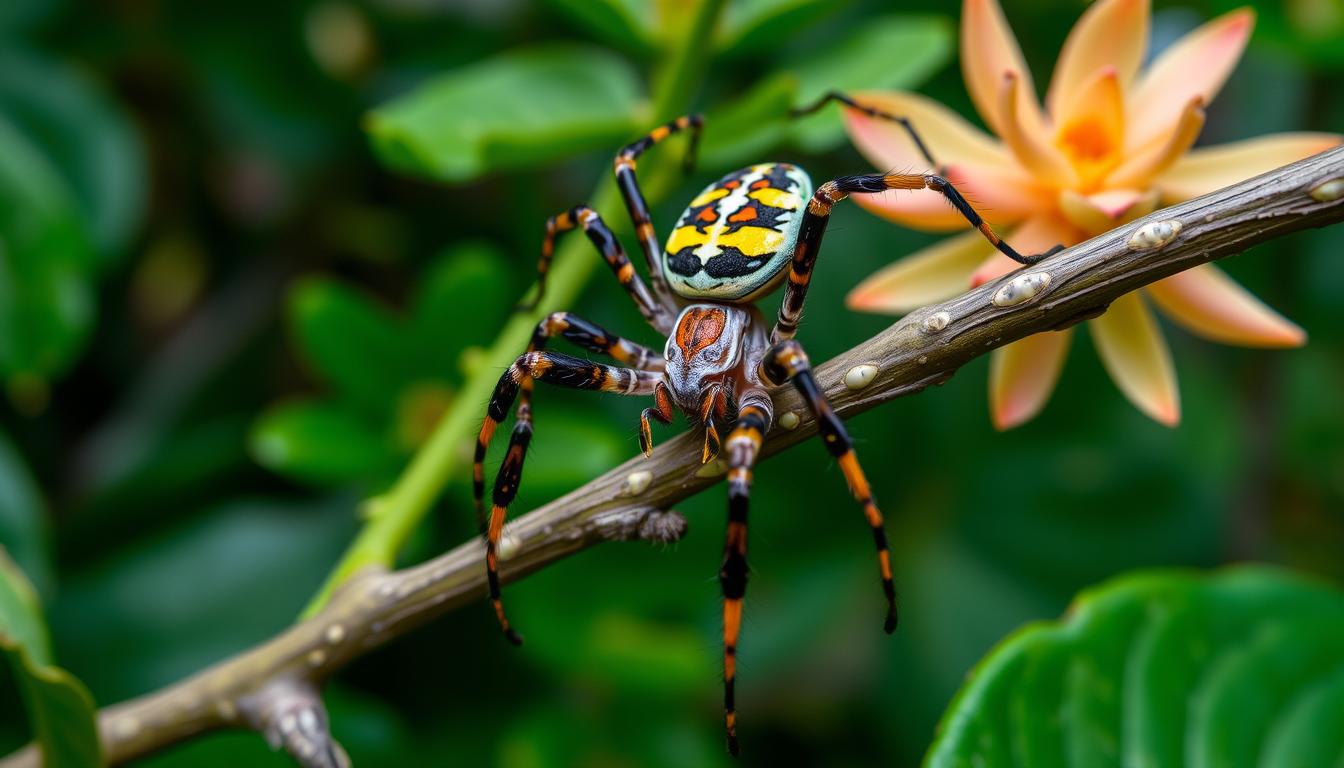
45	259
761	25
626	24
87	137
516	110
23	526
318	442
1159	669
887	52
59	706
357	346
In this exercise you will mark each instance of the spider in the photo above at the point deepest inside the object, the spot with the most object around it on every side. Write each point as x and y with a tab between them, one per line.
735	243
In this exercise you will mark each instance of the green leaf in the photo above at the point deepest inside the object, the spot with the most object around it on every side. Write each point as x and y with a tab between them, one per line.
750	126
1157	669
517	110
46	302
464	295
888	52
622	23
59	706
318	442
87	137
23	525
760	25
358	347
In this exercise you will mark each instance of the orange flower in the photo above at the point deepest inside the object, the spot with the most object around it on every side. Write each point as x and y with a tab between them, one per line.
1112	144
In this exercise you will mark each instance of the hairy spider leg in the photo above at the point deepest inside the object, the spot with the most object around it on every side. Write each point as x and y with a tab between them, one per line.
552	368
624	166
743	445
661	410
713	414
819	215
786	361
605	241
583	333
873	112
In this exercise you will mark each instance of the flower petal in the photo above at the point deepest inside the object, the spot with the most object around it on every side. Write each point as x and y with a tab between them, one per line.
1002	195
988	49
1203	170
1036	235
1136	356
949	138
1207	302
1040	159
1109	33
1104	211
932	274
1195	65
1022	375
1140	166
1091	127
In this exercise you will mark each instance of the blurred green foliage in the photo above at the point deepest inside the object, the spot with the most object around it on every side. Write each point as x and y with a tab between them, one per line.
1242	668
252	251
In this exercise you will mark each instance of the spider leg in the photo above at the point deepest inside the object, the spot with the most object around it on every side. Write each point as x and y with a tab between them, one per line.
743	445
581	216
713	413
583	333
553	368
634	199
873	112
786	361
661	410
819	215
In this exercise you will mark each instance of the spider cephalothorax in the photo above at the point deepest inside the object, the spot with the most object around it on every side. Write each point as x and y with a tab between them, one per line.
736	241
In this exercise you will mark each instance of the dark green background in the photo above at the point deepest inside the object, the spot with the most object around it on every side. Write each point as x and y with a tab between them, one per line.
160	545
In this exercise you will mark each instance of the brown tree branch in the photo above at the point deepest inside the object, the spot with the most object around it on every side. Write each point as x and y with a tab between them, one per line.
273	686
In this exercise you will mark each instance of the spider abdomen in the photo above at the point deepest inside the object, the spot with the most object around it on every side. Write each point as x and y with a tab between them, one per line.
734	241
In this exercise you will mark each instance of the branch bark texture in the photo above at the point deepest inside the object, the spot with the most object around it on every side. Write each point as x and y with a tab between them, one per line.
631	502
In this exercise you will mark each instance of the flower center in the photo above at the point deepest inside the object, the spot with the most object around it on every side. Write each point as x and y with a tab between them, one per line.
1091	149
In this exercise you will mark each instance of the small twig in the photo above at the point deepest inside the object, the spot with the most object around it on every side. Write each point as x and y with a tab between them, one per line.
923	348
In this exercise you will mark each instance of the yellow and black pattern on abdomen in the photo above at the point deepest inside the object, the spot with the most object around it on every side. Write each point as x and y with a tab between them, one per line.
733	241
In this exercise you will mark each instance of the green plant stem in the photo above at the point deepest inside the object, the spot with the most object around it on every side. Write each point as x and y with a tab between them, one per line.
394	515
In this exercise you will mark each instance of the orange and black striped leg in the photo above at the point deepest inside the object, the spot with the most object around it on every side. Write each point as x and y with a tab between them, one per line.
581	216
552	368
634	198
786	361
713	414
743	445
818	215
661	410
585	334
873	112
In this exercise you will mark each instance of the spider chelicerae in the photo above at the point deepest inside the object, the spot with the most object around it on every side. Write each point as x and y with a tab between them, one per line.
735	243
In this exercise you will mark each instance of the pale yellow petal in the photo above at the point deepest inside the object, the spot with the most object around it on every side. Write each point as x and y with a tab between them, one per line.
1040	159
1207	302
1196	65
1140	166
1109	33
1136	356
1002	196
1104	211
1022	375
949	138
988	50
937	272
920	209
1091	127
1206	169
